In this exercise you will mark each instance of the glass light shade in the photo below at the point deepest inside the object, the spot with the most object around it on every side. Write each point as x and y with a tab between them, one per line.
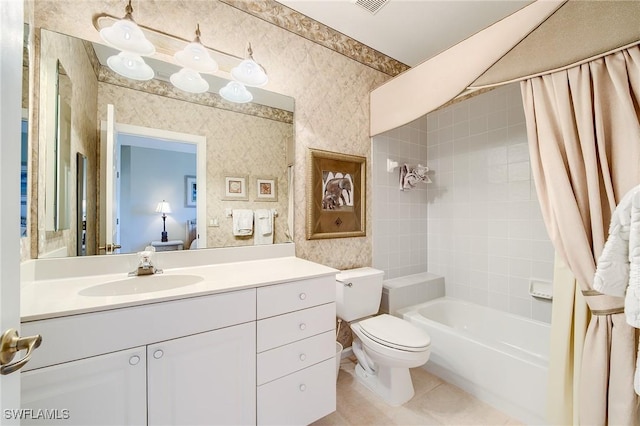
196	57
131	66
236	92
250	73
127	36
189	80
163	207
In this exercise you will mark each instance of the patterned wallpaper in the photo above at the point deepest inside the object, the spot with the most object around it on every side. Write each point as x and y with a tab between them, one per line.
331	90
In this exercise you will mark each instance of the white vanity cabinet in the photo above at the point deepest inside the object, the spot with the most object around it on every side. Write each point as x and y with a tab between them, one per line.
253	343
194	366
296	352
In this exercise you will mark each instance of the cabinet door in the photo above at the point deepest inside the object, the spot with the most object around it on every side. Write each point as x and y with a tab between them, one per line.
102	390
204	379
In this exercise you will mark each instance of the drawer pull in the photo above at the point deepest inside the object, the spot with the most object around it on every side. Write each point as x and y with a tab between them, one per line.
134	360
303	296
303	388
303	326
158	354
303	357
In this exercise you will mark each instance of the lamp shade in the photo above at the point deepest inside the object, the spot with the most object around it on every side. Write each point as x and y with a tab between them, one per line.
127	36
196	57
189	80
163	207
250	73
236	92
131	66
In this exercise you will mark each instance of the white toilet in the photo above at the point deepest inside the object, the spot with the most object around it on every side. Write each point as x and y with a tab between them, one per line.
386	346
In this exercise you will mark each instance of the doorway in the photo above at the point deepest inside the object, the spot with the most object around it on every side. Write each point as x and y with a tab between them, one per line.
146	173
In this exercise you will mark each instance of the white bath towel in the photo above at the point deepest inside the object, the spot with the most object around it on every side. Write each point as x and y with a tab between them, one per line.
242	222
618	269
264	227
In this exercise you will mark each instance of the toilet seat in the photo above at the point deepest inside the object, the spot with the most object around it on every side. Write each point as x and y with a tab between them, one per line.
395	333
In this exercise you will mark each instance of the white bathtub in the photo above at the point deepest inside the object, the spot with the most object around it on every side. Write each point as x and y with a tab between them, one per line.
500	358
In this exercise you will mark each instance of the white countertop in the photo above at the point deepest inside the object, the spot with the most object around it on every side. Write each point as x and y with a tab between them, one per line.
44	299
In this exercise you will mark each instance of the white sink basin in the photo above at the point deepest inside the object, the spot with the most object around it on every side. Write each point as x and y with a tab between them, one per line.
140	284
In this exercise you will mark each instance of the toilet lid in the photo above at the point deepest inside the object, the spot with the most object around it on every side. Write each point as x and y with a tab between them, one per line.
395	333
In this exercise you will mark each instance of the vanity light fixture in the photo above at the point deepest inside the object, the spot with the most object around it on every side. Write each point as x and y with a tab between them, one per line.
249	72
235	91
196	57
164	208
127	36
189	80
136	41
130	65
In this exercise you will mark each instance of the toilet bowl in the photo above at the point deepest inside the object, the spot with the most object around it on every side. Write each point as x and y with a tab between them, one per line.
385	346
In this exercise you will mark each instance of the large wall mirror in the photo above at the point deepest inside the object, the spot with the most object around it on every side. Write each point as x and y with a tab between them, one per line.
158	145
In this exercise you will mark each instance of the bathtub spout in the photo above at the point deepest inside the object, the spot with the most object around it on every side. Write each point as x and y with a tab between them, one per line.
364	361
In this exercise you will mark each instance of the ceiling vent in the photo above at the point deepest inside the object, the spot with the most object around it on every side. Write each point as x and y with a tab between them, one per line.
372	6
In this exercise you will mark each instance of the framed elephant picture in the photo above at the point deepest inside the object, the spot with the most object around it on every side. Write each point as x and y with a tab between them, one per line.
335	195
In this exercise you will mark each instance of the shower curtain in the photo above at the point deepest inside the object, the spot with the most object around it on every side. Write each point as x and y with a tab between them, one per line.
583	127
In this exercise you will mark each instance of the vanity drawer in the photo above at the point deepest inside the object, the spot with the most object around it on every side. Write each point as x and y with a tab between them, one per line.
284	360
283	329
299	398
282	298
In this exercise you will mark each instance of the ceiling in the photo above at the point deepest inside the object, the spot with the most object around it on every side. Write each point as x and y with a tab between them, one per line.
410	31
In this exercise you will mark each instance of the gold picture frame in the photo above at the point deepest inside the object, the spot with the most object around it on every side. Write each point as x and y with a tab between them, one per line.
335	195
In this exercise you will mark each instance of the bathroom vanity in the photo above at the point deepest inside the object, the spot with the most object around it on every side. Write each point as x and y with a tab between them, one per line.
244	342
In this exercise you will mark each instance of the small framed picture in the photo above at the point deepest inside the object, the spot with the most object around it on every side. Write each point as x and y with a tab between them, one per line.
235	188
190	191
266	189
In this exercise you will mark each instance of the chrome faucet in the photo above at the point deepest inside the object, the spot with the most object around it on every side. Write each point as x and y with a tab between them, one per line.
145	263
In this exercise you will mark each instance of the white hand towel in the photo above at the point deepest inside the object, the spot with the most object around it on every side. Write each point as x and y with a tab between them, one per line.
264	221
242	222
410	177
264	227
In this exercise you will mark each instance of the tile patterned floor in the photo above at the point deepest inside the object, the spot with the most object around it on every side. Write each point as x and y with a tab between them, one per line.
435	403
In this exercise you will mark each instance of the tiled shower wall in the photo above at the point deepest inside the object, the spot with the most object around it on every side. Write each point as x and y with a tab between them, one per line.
480	219
399	217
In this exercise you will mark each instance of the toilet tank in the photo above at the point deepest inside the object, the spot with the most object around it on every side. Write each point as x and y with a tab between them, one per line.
358	293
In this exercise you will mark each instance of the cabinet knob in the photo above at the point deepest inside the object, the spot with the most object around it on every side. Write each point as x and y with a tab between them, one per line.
303	296
158	354
303	326
303	388
134	360
303	357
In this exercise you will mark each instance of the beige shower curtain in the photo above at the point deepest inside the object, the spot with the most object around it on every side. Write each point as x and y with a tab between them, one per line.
583	126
